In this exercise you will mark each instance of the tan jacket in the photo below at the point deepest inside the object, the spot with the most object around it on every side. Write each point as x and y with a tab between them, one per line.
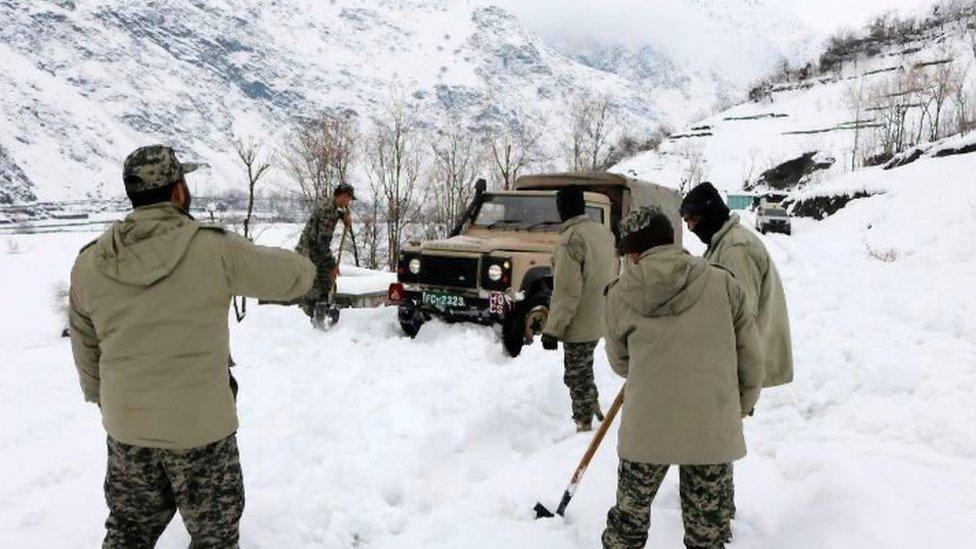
148	314
679	331
739	250
584	262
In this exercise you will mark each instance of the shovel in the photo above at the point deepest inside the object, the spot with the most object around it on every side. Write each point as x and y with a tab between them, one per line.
540	509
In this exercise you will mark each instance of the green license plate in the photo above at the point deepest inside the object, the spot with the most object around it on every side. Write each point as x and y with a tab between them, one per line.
443	301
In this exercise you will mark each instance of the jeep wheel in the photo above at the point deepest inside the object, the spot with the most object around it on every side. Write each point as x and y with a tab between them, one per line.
525	320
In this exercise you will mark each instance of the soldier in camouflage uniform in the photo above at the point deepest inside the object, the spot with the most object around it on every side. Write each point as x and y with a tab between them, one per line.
681	332
583	263
316	244
148	319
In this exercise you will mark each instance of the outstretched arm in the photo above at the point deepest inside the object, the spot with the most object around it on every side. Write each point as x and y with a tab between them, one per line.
265	272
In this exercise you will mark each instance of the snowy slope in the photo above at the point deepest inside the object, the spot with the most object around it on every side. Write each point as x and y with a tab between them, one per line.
363	438
738	144
83	83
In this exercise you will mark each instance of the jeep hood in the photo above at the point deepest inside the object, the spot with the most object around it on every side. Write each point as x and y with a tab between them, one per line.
479	244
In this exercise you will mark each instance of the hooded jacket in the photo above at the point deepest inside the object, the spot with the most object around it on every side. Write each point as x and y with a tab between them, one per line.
148	314
584	262
742	252
679	331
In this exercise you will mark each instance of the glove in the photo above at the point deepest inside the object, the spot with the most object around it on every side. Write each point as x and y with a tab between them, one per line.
549	342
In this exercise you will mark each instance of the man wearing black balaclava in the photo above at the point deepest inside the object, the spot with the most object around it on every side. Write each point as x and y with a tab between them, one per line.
739	250
584	262
704	212
736	248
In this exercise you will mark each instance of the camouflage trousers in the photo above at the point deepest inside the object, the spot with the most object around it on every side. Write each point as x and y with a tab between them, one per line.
145	486
321	290
704	490
578	360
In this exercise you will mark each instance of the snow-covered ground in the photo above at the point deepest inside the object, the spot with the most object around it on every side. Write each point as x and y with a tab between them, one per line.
362	438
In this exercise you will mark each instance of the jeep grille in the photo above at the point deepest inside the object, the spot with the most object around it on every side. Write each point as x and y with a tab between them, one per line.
456	272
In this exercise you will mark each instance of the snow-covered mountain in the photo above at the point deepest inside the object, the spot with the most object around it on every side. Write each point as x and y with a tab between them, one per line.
84	82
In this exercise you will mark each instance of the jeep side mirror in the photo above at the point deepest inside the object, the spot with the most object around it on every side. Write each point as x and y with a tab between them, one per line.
480	186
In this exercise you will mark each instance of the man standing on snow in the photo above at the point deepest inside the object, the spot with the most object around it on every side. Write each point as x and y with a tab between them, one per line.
316	244
680	331
739	250
148	314
584	263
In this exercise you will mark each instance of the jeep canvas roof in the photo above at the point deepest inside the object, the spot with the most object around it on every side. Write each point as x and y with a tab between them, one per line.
624	193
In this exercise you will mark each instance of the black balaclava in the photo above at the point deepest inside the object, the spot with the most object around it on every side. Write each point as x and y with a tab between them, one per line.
570	203
705	201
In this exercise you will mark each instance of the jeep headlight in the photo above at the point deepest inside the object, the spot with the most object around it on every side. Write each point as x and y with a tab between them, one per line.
414	266
495	273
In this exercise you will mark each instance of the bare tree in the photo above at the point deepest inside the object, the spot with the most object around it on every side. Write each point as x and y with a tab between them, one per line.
457	163
321	156
696	165
593	128
395	168
511	150
854	96
945	79
368	216
248	153
916	86
963	103
890	103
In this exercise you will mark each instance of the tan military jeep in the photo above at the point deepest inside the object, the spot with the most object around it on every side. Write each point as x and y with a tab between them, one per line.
496	268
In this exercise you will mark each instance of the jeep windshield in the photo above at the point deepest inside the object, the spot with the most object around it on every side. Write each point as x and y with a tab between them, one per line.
502	211
775	212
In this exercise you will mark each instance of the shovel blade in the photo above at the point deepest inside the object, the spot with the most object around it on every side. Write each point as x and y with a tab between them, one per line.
542	512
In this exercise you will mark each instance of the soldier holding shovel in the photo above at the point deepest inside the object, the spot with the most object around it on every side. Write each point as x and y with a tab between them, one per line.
681	332
316	244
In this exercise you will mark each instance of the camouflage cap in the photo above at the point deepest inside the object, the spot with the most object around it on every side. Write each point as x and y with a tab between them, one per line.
344	188
644	228
152	167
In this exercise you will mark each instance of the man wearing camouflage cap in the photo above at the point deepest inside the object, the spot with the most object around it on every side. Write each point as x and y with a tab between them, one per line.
679	330
316	244
584	261
148	314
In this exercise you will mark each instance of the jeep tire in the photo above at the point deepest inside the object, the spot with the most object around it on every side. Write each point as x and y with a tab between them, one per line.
514	328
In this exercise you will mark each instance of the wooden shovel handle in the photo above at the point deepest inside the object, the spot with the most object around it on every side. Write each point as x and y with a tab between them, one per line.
342	243
598	437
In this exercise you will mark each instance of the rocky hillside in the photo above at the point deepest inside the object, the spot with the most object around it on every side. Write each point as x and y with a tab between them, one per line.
85	82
